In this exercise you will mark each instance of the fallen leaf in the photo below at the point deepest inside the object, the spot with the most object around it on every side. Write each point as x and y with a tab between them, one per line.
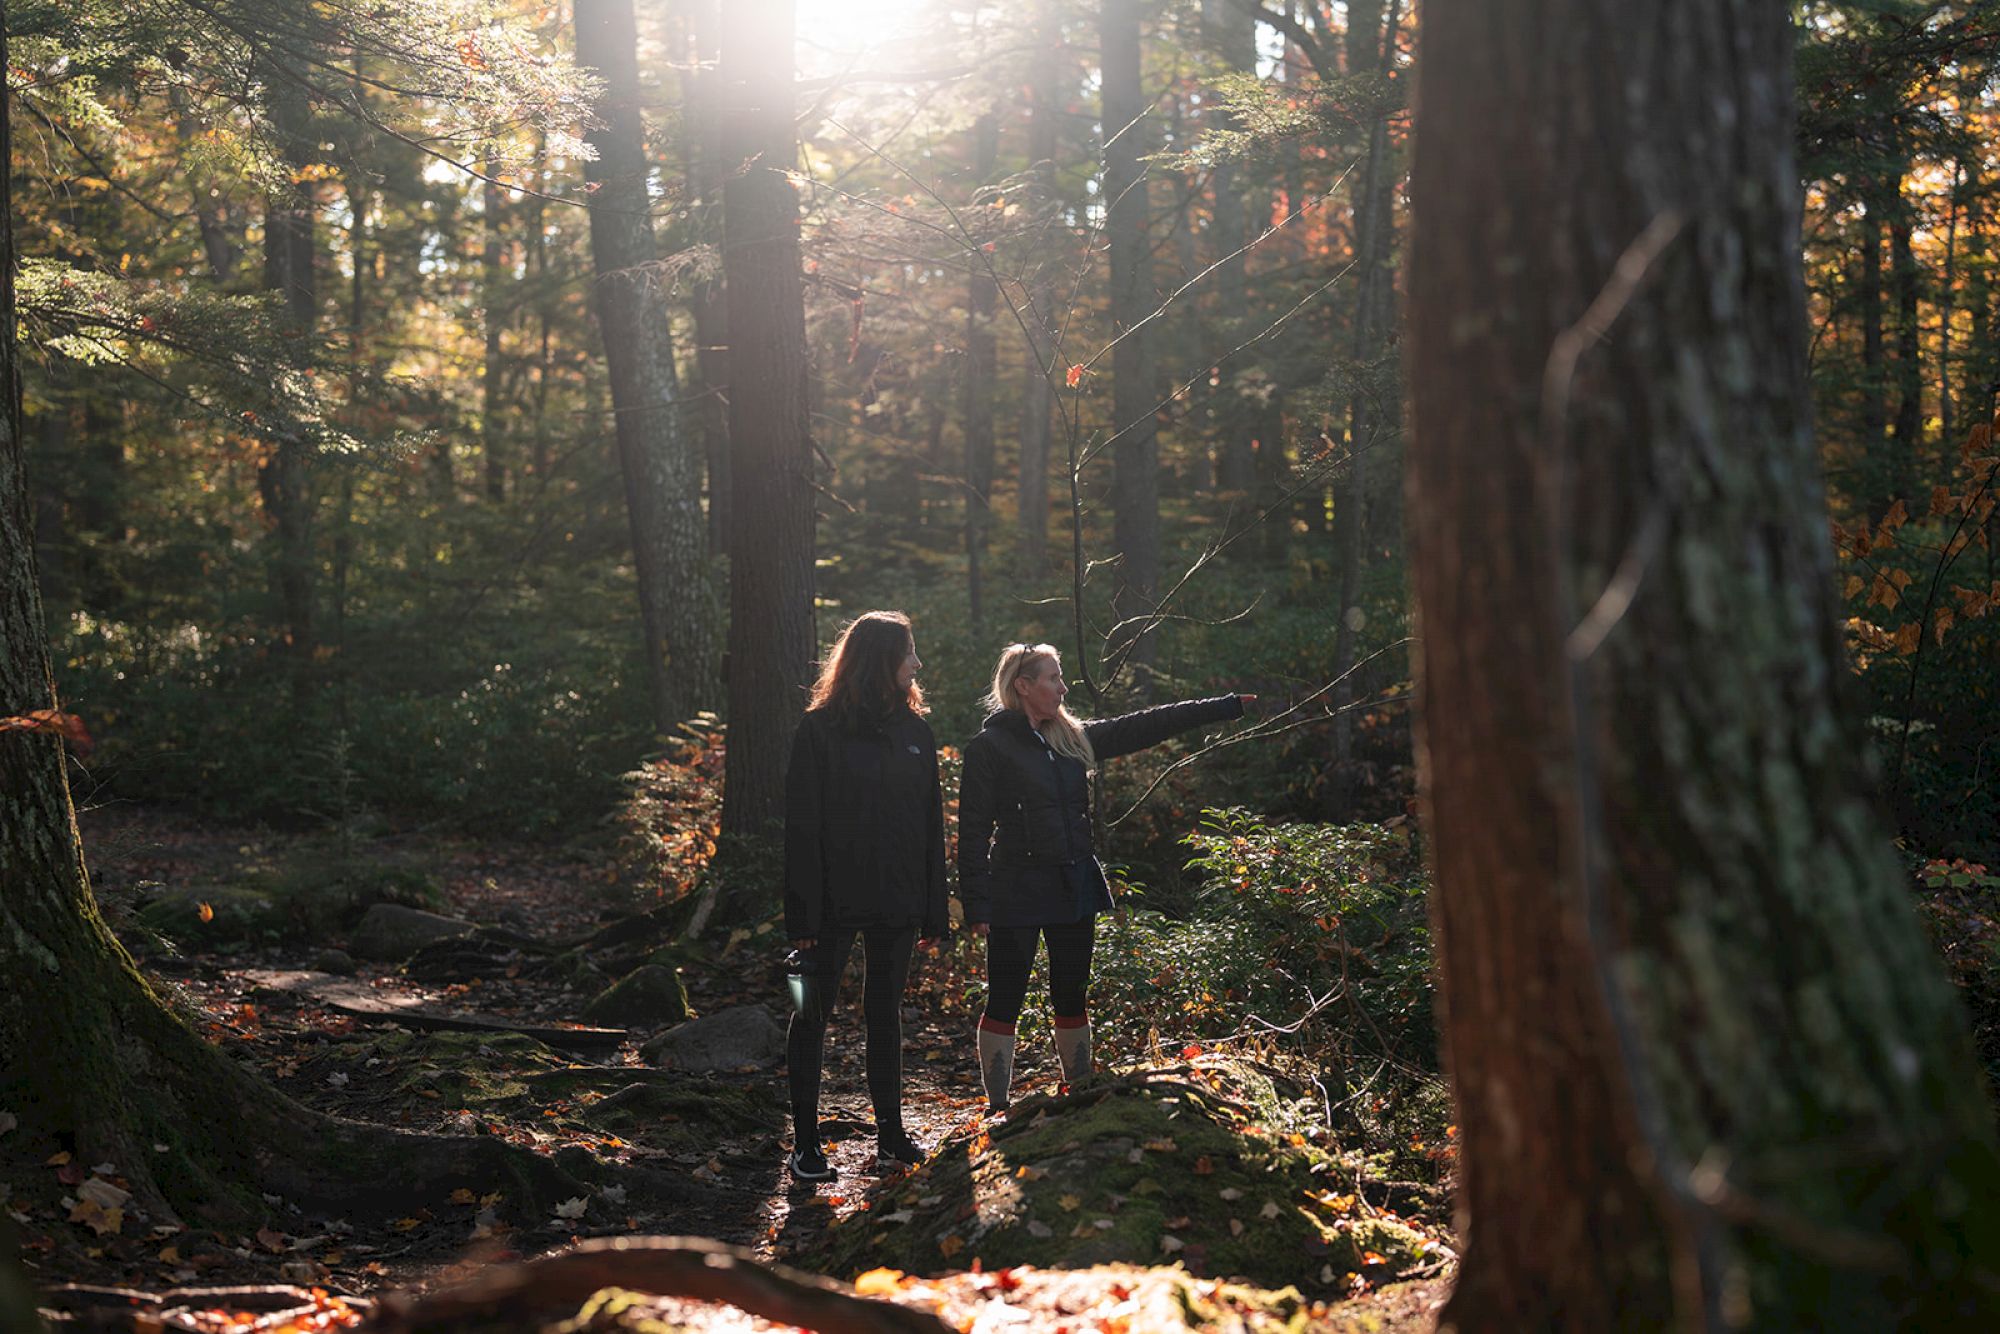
102	1193
1164	1144
96	1217
879	1283
205	911
1037	1228
7	1122
1235	1227
571	1208
950	1244
1230	1193
170	1255
1270	1210
404	1224
1203	1166
271	1240
463	1196
1170	1243
1069	1203
1029	1172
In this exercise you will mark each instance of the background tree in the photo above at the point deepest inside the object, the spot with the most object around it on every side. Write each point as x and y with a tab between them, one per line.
771	642
657	450
1705	1072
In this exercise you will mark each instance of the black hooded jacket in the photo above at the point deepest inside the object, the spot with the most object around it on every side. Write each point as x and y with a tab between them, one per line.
864	825
1024	851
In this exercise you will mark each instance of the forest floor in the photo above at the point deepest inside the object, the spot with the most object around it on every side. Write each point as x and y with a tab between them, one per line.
722	1136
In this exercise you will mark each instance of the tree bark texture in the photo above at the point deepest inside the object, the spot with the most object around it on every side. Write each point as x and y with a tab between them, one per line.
982	296
771	641
656	453
1135	451
1707	1071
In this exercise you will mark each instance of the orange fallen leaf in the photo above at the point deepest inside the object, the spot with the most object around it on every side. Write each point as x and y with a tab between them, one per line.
951	1244
206	912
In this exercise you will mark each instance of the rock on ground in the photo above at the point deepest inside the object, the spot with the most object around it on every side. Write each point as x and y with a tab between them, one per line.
391	933
743	1035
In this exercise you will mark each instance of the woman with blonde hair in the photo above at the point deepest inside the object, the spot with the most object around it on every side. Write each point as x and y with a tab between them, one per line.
1026	869
864	856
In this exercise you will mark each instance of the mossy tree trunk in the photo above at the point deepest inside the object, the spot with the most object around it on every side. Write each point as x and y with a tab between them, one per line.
1708	1073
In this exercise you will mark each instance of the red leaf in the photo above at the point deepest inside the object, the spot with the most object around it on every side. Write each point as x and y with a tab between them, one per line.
65	725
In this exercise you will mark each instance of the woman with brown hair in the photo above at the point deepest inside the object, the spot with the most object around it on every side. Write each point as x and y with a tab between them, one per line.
864	855
1026	869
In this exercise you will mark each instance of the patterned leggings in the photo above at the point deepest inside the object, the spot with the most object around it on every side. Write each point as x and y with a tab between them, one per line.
1010	953
886	954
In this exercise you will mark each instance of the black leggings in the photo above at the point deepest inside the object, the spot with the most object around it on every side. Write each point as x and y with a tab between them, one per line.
885	952
1010	953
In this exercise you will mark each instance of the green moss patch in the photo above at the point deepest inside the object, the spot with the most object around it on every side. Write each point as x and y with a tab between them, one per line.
1139	1169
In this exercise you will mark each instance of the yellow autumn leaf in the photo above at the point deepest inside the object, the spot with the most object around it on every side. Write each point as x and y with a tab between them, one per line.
404	1224
879	1283
463	1196
1070	1203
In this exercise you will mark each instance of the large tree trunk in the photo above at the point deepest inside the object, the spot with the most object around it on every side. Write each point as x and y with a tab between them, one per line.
1706	1068
771	531
1031	510
656	453
981	298
284	479
1135	453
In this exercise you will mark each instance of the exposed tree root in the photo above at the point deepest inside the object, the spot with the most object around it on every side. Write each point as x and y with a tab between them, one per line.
668	1266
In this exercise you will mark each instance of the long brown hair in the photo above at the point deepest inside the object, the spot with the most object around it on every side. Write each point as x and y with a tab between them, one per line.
859	675
1064	732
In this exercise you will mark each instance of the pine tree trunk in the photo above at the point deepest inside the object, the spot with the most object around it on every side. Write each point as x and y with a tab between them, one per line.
706	170
284	478
1037	394
1707	1070
656	453
1874	388
771	642
1232	34
980	356
1371	45
1906	433
1135	492
496	300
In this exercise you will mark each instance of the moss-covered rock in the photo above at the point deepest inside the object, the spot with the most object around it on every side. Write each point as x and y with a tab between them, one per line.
1139	1169
650	996
214	914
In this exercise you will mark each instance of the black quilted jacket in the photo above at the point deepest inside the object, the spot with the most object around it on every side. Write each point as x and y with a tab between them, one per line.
1024	850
